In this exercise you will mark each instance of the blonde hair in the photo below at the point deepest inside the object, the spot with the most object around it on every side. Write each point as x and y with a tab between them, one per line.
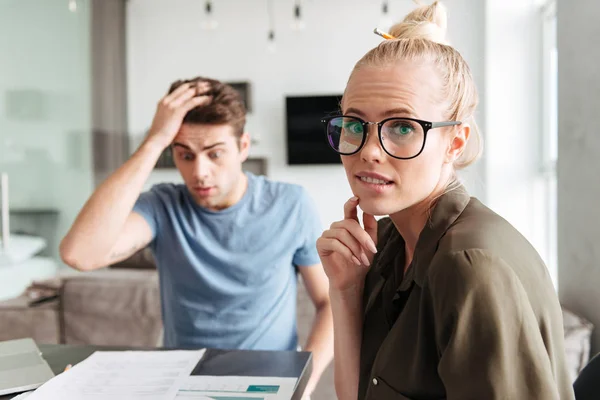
422	36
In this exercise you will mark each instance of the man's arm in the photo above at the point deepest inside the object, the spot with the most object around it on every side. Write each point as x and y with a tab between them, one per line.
320	339
106	230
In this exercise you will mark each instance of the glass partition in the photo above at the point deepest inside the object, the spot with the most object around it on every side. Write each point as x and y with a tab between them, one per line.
45	114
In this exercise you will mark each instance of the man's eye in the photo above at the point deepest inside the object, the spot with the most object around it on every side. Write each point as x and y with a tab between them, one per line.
186	156
215	154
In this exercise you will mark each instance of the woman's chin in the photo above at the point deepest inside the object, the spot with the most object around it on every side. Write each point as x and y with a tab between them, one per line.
373	207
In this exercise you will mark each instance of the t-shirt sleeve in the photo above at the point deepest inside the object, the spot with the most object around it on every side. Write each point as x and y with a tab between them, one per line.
490	343
147	206
311	230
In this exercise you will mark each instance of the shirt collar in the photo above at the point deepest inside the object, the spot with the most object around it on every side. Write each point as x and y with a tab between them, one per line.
445	212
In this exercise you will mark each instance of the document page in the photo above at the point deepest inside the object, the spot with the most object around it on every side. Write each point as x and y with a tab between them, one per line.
236	388
123	375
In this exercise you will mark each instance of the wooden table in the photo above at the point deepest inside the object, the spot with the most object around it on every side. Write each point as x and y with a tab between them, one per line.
285	364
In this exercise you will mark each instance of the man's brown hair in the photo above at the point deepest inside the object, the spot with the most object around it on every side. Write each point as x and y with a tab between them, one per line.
226	106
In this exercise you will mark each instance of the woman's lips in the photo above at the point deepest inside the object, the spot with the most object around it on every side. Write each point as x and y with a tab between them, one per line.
374	184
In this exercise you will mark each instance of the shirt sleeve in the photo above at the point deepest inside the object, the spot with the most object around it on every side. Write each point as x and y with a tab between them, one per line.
309	220
146	206
489	340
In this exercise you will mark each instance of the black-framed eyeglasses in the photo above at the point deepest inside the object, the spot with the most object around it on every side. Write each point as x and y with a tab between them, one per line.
402	138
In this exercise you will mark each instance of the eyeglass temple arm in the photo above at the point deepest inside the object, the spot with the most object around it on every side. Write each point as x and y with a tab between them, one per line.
446	123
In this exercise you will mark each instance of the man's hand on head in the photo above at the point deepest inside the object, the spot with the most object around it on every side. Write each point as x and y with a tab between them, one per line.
172	108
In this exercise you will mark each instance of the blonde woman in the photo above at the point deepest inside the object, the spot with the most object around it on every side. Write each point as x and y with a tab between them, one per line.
443	299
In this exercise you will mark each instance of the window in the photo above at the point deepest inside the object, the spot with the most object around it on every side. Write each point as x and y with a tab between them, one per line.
549	143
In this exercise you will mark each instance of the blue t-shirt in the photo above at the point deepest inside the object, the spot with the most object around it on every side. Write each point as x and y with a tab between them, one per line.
227	278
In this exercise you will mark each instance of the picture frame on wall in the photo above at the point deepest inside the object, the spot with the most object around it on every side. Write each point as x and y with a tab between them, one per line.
166	160
244	89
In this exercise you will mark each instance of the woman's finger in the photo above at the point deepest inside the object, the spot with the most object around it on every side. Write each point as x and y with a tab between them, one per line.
349	241
350	209
331	245
358	232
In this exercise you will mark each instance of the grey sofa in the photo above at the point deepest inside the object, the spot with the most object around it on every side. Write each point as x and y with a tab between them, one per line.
107	307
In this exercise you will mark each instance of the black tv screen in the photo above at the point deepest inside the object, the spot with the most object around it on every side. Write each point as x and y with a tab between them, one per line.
306	139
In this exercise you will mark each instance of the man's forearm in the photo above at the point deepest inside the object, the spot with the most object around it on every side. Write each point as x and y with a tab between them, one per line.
320	343
99	223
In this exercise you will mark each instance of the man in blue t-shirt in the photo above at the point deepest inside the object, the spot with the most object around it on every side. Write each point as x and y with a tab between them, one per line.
227	244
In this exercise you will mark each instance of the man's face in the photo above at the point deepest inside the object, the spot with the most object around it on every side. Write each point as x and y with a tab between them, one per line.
209	158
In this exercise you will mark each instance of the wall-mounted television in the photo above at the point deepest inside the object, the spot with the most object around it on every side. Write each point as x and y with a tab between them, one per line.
306	140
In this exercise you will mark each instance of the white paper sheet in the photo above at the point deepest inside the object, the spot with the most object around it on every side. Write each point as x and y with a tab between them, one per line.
123	375
236	388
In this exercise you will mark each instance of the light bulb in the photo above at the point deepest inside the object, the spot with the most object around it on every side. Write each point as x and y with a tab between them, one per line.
209	23
271	46
73	6
297	24
385	22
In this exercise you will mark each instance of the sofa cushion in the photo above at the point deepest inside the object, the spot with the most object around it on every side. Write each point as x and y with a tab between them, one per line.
112	307
578	333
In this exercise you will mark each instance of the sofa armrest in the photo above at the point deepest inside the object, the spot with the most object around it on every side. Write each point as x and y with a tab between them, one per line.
112	307
578	334
18	319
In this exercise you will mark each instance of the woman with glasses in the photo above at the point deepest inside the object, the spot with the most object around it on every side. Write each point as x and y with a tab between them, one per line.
443	299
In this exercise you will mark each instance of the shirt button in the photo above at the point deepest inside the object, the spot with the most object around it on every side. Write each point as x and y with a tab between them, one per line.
375	381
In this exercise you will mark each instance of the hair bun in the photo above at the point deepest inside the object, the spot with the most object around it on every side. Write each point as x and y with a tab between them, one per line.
424	22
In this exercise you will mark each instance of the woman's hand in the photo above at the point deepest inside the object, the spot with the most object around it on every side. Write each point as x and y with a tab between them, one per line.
346	249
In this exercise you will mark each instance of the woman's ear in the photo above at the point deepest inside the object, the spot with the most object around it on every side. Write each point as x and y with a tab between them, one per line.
458	143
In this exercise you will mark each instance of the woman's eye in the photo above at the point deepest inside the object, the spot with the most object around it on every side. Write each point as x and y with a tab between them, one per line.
354	128
402	129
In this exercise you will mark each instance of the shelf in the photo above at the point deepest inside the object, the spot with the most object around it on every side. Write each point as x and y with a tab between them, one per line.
34	211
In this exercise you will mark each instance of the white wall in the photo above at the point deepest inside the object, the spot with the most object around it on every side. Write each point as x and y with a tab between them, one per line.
578	161
166	42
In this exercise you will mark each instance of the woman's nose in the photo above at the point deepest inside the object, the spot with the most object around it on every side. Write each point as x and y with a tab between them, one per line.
372	150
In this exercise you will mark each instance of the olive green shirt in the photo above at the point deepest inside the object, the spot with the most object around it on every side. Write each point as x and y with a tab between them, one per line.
475	316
